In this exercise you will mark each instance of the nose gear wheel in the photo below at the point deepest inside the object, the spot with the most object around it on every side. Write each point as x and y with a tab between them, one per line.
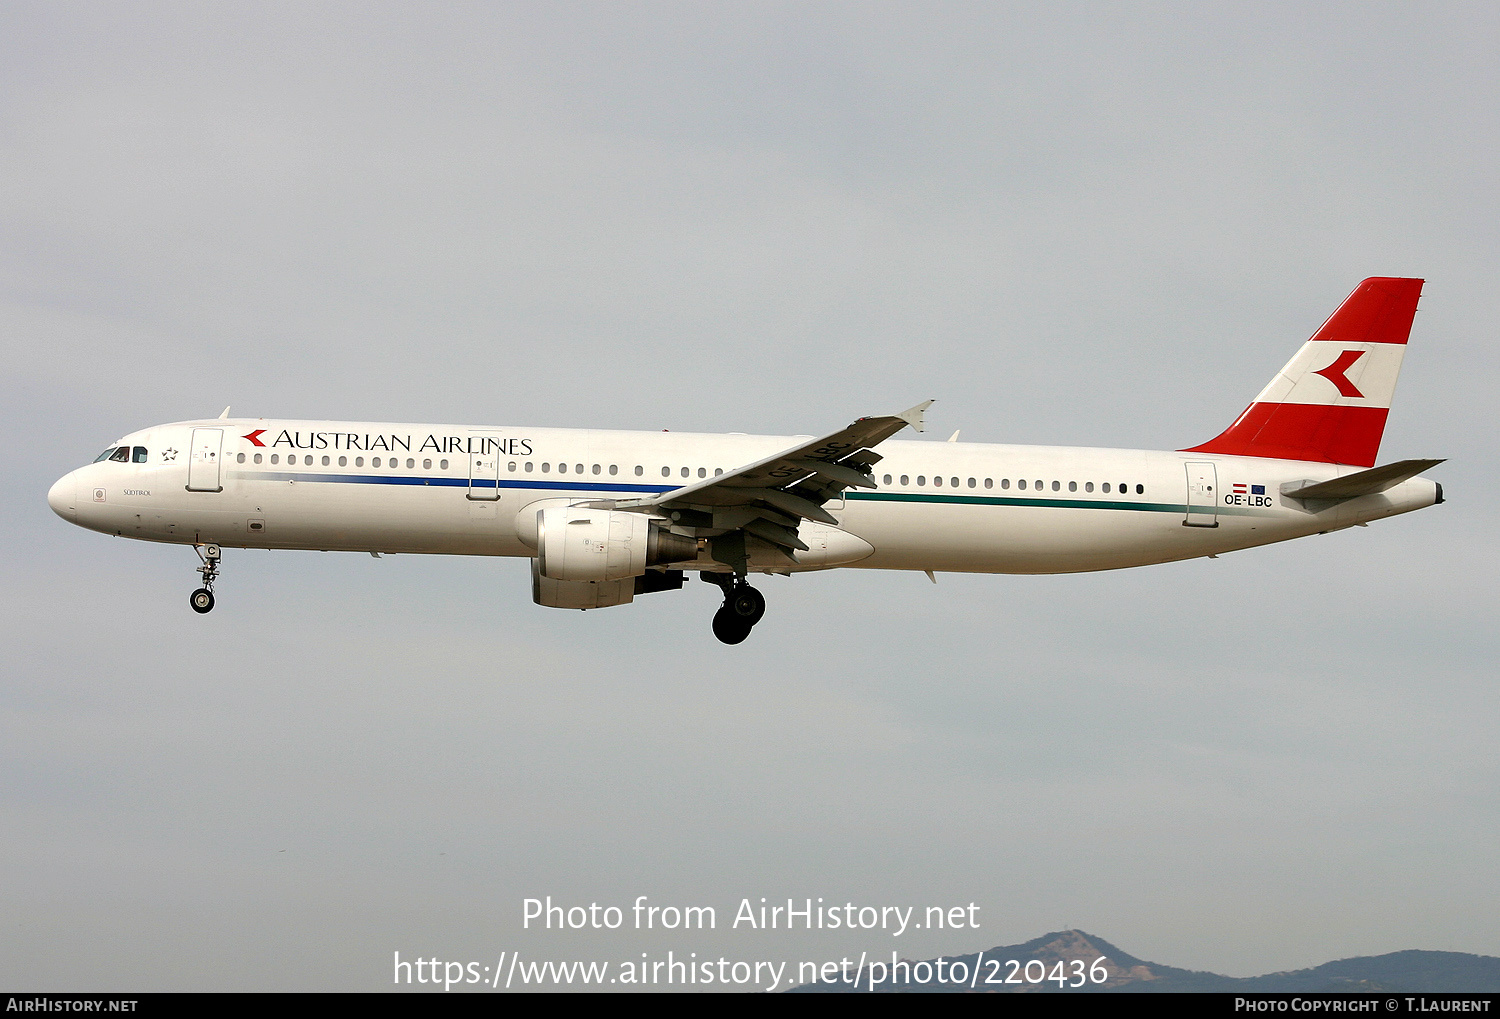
202	600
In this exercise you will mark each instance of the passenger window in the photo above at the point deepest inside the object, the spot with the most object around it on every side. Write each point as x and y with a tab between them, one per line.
921	479
1004	482
1056	486
373	463
597	468
273	459
546	468
887	479
1021	484
1123	489
359	461
684	472
139	455
343	461
718	471
1140	489
702	472
971	482
1072	486
1038	486
561	468
257	458
666	472
1104	488
937	482
121	455
510	467
954	482
528	467
240	458
989	482
639	470
427	465
325	461
905	479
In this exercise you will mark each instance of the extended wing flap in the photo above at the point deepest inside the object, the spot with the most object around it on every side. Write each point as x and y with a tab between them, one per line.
769	498
832	462
1352	486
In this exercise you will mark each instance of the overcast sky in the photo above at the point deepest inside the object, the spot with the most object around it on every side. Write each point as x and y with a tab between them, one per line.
1084	224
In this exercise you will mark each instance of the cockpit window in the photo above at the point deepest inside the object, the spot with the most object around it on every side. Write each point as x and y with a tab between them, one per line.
138	454
121	455
106	454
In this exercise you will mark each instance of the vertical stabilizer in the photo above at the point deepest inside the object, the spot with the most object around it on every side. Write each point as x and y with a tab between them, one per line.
1330	402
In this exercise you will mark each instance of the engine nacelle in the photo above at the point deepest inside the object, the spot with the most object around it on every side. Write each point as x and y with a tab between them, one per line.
563	594
567	594
594	546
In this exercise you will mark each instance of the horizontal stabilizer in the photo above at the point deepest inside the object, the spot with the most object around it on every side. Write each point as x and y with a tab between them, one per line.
1353	486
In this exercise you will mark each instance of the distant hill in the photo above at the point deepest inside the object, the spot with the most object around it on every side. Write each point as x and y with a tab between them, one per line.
1067	956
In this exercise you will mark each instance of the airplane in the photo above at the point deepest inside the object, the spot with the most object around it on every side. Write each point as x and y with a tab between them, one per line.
605	516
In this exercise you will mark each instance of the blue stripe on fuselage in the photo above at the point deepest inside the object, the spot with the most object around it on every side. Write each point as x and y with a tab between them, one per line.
421	480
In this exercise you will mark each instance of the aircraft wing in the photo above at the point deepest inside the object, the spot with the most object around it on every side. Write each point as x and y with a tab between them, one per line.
770	498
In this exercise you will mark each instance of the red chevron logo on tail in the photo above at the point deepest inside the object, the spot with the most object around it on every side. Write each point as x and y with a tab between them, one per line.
1335	372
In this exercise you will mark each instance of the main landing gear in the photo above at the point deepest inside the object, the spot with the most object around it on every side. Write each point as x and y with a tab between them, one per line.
202	600
743	607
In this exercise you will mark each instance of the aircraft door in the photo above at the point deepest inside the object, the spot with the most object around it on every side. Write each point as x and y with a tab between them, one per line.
484	468
203	461
1202	496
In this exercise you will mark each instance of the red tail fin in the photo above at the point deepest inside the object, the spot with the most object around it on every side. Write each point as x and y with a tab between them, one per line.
1330	402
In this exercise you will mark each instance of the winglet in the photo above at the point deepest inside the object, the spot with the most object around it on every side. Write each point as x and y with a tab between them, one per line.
224	416
913	415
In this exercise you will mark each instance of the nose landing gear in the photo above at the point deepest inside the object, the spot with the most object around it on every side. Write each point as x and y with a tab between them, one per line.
743	607
202	600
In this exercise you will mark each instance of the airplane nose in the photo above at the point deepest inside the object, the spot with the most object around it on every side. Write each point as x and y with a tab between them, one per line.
61	497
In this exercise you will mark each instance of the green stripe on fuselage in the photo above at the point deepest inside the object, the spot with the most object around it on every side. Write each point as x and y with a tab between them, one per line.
1092	504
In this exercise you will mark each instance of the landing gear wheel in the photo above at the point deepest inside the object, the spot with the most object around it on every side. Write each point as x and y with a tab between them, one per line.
202	600
747	603
729	627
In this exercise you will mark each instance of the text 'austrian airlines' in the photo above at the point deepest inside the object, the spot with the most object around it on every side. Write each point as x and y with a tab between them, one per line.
608	515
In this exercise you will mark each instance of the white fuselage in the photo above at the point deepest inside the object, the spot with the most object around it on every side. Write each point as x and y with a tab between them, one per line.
939	506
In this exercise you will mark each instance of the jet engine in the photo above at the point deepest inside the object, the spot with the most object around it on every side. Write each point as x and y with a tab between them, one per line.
594	546
567	594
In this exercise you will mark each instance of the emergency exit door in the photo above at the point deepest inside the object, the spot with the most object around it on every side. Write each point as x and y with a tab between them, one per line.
1202	496
484	468
203	463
